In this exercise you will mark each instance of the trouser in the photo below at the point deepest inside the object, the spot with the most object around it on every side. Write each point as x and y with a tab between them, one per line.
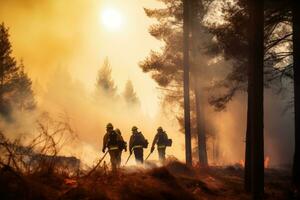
161	153
139	155
115	158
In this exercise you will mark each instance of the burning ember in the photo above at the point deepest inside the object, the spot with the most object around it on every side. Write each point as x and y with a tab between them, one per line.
71	182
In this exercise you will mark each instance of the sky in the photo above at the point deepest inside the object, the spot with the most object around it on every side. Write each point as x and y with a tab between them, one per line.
47	35
63	44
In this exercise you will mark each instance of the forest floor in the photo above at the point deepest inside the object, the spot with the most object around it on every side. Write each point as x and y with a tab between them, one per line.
172	181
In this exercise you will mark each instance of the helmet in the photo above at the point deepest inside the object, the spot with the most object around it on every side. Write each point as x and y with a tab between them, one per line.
109	125
160	129
134	128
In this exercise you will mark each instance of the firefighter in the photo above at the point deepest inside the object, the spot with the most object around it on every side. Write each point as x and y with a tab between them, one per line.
112	141
162	141
137	143
123	146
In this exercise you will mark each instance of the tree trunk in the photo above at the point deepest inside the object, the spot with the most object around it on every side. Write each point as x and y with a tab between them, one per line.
186	82
247	175
202	153
196	10
256	84
296	68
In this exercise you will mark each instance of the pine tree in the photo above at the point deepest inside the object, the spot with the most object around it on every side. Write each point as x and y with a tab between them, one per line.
105	84
166	67
234	42
296	65
130	95
186	81
15	86
8	69
23	97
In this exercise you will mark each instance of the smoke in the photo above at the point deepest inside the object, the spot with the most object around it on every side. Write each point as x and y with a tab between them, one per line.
64	33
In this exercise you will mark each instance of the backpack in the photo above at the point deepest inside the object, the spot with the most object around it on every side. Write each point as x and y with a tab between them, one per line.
112	139
169	143
139	140
162	139
122	145
145	144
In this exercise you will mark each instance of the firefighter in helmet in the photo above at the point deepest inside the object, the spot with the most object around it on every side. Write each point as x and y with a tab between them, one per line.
112	141
122	145
137	143
162	141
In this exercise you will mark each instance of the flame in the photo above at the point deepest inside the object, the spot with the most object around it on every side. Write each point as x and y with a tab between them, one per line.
71	182
267	162
242	163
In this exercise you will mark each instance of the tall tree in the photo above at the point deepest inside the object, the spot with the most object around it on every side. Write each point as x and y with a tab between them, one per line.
256	84
186	81
296	68
201	132
130	95
248	150
233	43
166	67
15	86
233	39
197	67
105	84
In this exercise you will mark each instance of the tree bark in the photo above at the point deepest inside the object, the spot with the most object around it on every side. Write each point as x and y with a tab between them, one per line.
202	152
256	83
196	12
247	175
186	82
296	68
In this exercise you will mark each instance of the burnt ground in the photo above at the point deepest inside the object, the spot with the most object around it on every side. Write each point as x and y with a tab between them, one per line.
172	181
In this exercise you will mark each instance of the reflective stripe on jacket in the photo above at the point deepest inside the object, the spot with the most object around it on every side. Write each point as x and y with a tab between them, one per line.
137	146
113	148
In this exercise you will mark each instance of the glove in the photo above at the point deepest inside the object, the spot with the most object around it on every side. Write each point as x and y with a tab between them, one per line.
103	150
152	149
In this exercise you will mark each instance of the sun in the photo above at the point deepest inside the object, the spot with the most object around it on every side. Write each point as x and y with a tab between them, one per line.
111	19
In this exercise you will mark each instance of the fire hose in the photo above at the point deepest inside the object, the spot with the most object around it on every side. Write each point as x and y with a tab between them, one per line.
128	159
148	155
96	166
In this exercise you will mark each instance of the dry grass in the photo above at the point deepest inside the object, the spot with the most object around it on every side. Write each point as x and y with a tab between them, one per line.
35	171
172	181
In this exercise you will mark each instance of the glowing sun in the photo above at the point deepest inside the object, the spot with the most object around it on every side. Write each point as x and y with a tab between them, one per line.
111	19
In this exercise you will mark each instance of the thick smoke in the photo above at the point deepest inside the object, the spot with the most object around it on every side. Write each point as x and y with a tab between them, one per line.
56	36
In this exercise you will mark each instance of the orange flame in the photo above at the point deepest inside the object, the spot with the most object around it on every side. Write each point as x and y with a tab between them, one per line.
242	163
71	182
267	162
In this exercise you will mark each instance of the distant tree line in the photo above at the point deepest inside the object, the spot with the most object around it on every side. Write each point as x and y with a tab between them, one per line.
106	88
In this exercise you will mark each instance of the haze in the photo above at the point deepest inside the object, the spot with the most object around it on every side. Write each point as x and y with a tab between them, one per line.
63	44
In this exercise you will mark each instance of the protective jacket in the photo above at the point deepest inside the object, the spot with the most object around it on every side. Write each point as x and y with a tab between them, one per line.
161	139
137	140
112	141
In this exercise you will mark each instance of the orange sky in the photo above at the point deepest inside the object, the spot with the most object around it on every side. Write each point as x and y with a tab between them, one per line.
65	42
69	34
